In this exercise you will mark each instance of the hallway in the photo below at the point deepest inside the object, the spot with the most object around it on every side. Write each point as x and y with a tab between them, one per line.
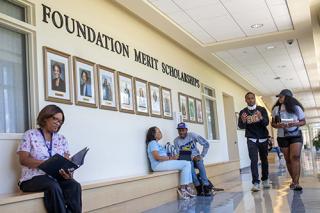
238	197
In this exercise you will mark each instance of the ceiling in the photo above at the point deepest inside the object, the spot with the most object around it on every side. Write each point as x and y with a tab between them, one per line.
219	20
263	45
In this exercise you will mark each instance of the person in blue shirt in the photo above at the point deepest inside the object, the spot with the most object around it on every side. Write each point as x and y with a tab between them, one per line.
187	141
160	161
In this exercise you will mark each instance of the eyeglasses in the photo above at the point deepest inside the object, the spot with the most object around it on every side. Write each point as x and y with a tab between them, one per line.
55	119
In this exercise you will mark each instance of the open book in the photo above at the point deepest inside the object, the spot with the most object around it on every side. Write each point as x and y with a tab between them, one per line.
57	162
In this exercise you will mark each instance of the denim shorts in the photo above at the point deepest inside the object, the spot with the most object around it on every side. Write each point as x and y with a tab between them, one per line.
285	142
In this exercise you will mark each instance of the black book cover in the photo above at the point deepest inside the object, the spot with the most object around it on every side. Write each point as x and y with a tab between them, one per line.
57	162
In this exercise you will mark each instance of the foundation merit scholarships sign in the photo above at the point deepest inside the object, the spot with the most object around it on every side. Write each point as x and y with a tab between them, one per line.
72	26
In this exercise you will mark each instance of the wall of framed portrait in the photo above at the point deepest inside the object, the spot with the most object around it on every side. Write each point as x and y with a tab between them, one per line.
95	85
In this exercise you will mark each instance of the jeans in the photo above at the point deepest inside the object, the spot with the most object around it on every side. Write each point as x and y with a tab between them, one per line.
59	196
262	148
183	166
202	171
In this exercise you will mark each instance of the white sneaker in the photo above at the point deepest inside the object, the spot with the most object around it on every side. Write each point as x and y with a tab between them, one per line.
255	187
266	184
183	194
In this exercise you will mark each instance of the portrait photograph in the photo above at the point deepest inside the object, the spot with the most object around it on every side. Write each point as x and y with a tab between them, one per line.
166	103
57	74
85	82
192	109
125	90
155	100
183	106
107	88
199	111
142	97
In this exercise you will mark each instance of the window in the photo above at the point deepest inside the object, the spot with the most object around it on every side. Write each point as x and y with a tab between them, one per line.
210	112
13	82
16	80
11	9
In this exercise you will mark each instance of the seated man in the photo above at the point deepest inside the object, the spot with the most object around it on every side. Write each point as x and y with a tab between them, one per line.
188	141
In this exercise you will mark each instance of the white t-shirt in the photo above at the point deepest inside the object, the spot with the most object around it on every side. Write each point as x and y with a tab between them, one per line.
288	117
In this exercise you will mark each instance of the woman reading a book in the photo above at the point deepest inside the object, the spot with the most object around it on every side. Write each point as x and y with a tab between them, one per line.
38	145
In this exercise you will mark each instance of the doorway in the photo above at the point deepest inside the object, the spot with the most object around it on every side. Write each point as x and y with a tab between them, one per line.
231	127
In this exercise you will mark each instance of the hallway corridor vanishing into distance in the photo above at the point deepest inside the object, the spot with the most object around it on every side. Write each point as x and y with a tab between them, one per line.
279	199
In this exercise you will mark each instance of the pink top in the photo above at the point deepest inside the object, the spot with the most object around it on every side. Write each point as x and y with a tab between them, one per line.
34	143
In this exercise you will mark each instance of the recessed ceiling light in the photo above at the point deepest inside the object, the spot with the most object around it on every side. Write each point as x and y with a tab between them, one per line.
277	78
255	26
270	47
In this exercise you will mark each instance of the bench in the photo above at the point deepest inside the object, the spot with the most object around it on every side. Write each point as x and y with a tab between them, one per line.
131	194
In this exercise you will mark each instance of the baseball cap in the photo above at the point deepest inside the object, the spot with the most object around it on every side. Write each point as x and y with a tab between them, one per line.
285	92
182	125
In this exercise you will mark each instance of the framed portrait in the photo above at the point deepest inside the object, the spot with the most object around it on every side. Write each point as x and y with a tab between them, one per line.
125	93
183	106
199	111
166	103
57	76
142	97
107	88
155	100
192	109
85	82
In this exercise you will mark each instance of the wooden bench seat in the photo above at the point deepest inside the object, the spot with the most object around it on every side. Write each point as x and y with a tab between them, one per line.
130	194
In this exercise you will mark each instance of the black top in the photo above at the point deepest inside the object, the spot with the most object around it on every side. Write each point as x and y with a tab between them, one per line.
255	128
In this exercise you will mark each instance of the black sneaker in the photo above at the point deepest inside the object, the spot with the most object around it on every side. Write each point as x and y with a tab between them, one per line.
200	191
207	191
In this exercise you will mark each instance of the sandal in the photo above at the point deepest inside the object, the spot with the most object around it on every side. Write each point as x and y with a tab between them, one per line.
297	187
291	186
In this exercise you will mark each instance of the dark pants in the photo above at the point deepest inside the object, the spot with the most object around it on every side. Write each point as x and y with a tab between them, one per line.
253	149
59	196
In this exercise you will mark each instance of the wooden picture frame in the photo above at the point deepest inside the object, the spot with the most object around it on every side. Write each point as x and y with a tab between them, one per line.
125	93
166	98
85	82
183	106
107	87
155	100
141	91
57	76
199	111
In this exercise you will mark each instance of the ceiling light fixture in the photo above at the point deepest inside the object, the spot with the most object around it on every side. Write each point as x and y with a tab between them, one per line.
270	47
277	78
255	26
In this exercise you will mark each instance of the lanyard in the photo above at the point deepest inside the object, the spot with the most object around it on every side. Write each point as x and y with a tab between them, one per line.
45	142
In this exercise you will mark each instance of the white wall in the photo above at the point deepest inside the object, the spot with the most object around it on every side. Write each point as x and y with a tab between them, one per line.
116	140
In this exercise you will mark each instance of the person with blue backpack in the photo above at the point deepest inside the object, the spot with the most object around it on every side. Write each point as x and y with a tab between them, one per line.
187	141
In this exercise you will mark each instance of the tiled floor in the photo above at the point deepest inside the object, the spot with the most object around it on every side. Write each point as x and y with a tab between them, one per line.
238	197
